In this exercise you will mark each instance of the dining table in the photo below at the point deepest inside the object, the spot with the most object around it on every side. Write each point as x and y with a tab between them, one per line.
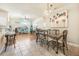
9	36
52	36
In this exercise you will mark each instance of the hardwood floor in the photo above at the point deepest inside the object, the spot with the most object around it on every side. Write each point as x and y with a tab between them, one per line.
26	46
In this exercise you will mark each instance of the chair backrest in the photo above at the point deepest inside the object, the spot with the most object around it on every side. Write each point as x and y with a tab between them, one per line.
41	33
56	31
53	32
49	31
65	32
37	31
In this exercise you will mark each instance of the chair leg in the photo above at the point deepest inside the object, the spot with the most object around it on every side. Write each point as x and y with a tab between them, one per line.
54	44
57	47
66	46
48	46
63	48
6	44
41	42
14	41
36	40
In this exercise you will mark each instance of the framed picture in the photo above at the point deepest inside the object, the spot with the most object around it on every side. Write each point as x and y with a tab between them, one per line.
59	18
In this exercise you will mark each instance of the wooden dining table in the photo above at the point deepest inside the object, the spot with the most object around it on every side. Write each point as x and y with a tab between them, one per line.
9	36
53	37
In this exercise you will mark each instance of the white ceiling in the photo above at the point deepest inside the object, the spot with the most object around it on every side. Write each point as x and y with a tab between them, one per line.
31	10
28	9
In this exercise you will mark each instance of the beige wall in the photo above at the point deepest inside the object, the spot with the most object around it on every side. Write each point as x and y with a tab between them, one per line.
4	16
3	20
73	22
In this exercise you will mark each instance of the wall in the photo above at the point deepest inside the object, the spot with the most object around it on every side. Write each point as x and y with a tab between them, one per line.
3	17
3	20
73	22
73	18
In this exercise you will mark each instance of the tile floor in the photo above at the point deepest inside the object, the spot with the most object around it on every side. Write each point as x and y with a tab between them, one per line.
26	46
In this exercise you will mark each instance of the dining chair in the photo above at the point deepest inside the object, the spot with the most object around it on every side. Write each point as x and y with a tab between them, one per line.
51	39
62	41
65	32
44	38
39	36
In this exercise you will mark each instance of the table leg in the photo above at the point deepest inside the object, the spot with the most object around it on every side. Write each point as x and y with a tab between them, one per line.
63	48
36	37
57	47
6	43
14	41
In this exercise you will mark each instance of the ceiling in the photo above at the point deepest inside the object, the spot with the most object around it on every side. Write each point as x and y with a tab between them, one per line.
28	9
31	10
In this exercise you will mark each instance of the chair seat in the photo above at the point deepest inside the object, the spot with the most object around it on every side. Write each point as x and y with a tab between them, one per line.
59	41
51	39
